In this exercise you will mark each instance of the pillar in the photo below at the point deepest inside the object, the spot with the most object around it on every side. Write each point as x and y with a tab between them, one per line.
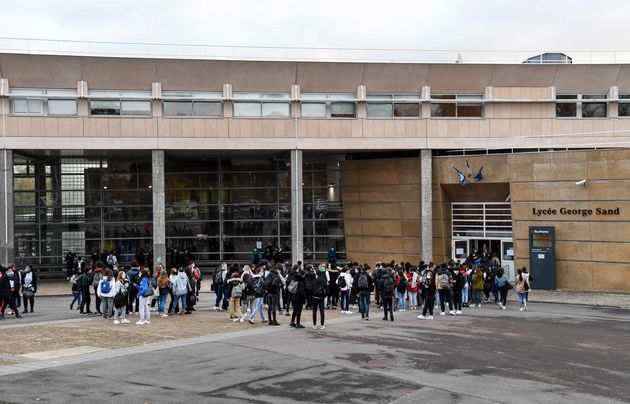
7	248
297	214
159	225
426	209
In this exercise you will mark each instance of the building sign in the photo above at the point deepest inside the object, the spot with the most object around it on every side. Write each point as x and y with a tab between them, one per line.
575	212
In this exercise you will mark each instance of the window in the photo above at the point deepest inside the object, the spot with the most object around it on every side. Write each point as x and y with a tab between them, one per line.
181	103
457	106
624	105
393	106
37	101
115	103
261	105
334	105
581	106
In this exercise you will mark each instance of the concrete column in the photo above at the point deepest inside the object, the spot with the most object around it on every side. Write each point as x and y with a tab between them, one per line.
159	225
297	214
426	209
7	248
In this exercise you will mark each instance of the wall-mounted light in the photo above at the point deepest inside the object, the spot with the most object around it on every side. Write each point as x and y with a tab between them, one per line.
150	186
332	184
581	183
104	187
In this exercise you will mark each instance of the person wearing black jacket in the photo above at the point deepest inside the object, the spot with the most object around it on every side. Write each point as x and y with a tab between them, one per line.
320	292
459	281
309	278
365	284
428	283
85	280
388	289
10	290
297	298
29	287
273	288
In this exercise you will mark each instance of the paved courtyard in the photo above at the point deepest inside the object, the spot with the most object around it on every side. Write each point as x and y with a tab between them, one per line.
552	353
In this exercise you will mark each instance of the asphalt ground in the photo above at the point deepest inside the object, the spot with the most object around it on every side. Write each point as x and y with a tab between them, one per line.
552	353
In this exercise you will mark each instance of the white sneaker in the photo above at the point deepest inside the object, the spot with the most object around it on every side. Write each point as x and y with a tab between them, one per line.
147	322
163	315
421	317
521	309
124	321
343	312
503	307
235	320
118	322
348	312
140	322
322	327
314	327
242	320
430	317
458	312
452	313
442	313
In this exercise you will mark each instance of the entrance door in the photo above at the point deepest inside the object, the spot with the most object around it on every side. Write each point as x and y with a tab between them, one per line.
507	258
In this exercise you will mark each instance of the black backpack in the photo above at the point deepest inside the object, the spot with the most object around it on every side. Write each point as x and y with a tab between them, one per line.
388	287
402	285
319	289
218	277
341	281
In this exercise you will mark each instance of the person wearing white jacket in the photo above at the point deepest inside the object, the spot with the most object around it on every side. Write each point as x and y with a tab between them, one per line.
344	281
106	291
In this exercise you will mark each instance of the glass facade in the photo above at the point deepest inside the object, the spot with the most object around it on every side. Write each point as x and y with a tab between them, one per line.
82	205
323	209
217	207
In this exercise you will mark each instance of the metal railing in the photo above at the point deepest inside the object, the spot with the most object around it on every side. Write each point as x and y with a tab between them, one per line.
292	53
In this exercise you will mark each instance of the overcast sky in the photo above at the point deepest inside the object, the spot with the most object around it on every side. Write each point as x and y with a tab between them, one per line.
438	24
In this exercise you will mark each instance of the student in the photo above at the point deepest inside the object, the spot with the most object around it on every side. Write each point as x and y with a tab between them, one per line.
412	288
84	282
298	297
458	286
401	289
29	288
428	282
134	283
180	290
444	283
97	275
387	294
9	289
106	290
257	286
503	285
273	284
172	278
219	279
76	288
477	284
365	284
145	291
521	288
235	287
344	282
163	285
320	293
247	300
120	298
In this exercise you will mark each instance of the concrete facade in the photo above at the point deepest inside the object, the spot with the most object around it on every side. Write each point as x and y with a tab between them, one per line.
394	208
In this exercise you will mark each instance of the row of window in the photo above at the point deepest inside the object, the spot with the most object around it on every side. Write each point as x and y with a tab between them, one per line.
276	105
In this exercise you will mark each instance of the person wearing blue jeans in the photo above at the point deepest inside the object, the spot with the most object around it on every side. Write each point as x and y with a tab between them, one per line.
258	307
222	294
401	300
364	304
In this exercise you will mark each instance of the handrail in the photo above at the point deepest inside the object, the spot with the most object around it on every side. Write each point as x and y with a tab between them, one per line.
295	53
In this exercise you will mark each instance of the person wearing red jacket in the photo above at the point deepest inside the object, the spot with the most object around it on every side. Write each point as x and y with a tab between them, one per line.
412	289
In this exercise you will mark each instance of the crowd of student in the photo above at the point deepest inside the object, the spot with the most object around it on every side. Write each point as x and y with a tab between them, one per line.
265	289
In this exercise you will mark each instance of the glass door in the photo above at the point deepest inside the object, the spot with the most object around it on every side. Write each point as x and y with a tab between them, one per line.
460	250
507	258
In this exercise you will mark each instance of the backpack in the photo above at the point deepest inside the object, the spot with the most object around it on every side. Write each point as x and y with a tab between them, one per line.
362	283
293	287
120	300
257	286
402	285
106	287
237	290
443	281
218	277
388	286
319	289
96	279
275	283
196	274
341	281
75	285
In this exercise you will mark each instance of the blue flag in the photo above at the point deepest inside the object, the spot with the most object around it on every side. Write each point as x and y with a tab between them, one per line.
460	177
479	175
